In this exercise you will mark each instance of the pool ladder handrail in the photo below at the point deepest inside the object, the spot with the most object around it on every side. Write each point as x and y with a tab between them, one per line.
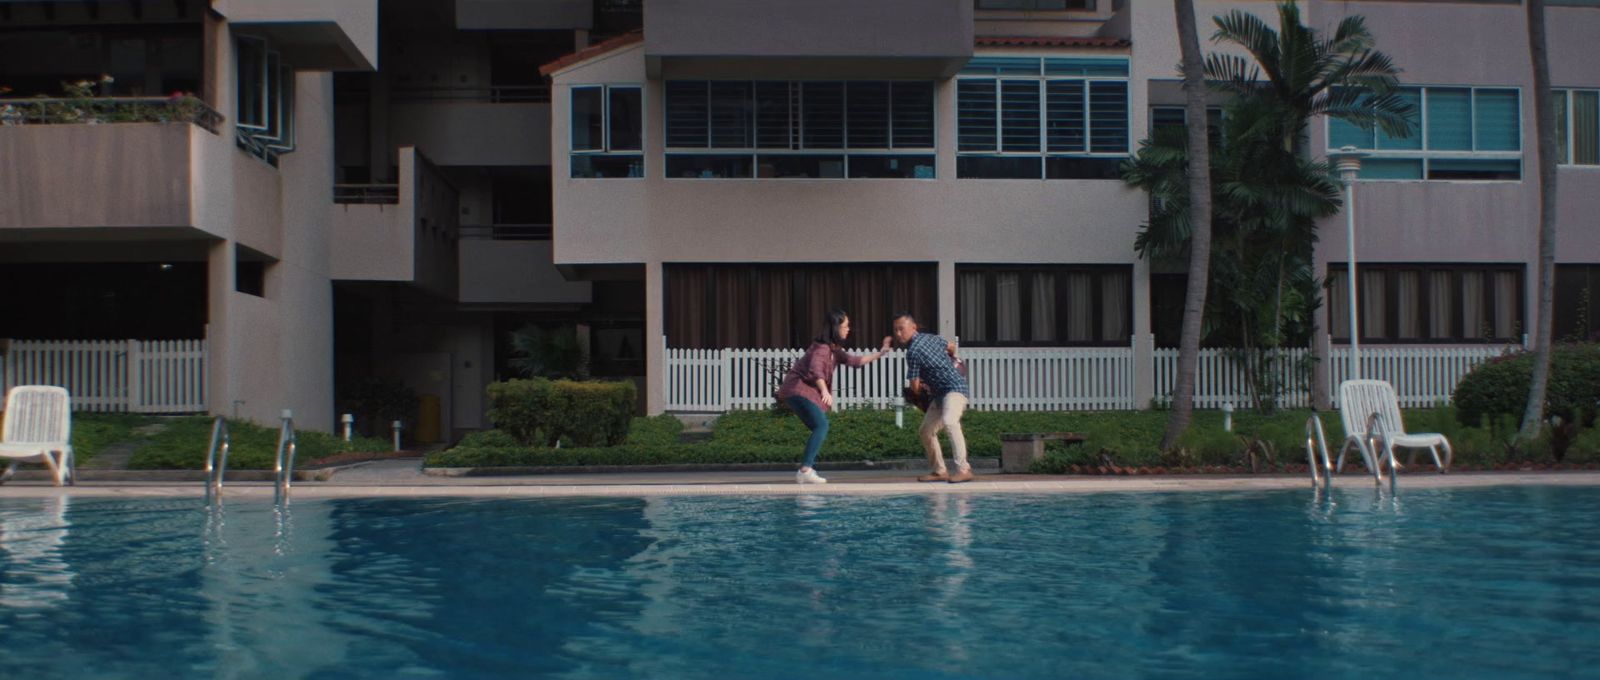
283	461
1317	443
221	440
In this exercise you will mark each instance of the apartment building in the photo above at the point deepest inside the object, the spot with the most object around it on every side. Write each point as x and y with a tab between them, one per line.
758	162
313	193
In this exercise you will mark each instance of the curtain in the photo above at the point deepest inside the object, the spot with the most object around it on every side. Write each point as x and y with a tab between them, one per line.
731	308
1080	307
1338	305
1472	305
1008	307
972	312
686	295
1043	312
1506	318
1114	307
1374	304
1407	292
1586	128
1441	305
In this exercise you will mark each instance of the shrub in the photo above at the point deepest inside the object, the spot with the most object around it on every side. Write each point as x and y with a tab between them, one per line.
1499	387
661	430
488	439
544	412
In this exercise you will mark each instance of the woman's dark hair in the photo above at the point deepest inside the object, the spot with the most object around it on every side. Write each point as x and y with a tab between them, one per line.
830	327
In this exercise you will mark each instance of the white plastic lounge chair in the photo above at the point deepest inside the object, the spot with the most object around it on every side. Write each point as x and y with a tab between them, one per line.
1371	414
38	430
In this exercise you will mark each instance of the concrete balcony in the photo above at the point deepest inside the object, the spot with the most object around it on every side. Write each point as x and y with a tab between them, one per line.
474	126
513	265
403	233
311	34
111	181
887	38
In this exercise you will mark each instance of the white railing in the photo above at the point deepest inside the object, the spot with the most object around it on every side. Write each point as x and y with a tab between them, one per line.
1072	378
1422	376
141	376
1049	379
1221	377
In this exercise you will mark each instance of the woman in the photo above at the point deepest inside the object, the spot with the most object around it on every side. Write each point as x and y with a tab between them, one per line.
808	386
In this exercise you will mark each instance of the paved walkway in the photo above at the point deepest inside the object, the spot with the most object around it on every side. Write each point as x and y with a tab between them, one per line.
404	477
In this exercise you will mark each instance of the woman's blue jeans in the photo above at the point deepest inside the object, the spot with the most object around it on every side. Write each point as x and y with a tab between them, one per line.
815	420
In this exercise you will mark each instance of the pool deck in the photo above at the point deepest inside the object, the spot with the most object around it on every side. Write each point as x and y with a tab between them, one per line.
403	478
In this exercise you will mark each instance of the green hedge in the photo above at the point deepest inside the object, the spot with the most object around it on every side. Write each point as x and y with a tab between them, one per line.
182	446
541	412
1498	388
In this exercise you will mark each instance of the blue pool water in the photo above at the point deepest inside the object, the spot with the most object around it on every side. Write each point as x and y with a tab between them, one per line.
1491	582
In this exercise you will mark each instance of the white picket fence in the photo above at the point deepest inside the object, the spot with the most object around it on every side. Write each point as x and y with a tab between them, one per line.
1053	379
1422	376
1220	377
1070	378
140	376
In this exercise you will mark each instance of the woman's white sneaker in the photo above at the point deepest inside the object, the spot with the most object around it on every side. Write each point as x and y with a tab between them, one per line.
809	477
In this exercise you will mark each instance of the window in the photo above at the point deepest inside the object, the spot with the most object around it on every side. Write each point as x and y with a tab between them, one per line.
800	129
712	306
1032	118
1401	303
1460	133
1043	305
1577	127
1178	117
1577	305
606	132
265	86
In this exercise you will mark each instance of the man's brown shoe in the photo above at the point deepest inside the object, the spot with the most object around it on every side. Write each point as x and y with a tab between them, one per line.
934	477
961	476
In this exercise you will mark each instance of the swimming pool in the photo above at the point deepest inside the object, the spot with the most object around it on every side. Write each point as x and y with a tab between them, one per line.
1482	582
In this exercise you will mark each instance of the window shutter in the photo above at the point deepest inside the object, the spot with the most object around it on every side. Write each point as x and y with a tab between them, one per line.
1064	105
1108	117
868	108
975	104
1449	119
1019	115
1496	120
912	120
688	114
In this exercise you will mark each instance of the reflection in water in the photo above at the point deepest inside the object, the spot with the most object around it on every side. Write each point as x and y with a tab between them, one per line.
949	520
31	534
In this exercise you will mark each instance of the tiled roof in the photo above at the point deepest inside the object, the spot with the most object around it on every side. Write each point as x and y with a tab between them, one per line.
593	51
1049	41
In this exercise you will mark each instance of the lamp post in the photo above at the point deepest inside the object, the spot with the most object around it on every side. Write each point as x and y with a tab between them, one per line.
1348	162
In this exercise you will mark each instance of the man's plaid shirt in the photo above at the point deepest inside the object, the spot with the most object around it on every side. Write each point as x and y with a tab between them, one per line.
926	358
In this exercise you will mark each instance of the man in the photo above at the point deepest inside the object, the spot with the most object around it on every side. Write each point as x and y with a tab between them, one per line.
930	365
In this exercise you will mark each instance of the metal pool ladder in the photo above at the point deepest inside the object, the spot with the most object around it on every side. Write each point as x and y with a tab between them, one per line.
221	440
283	461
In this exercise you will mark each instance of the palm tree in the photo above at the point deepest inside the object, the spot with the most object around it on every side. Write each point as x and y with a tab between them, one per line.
1199	194
1544	111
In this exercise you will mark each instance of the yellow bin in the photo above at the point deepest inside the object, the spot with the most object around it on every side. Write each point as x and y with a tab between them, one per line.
427	419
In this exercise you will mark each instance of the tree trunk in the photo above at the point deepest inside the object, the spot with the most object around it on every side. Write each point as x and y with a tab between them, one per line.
1544	112
1194	304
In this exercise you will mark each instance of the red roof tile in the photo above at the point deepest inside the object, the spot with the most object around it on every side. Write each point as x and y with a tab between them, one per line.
1049	41
592	51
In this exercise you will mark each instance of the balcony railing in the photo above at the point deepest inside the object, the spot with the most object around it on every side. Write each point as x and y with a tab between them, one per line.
366	194
506	232
500	94
95	110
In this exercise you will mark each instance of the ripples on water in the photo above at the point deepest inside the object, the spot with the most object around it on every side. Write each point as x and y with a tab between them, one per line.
1495	582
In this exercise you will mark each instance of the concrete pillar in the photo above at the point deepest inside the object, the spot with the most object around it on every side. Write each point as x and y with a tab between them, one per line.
221	389
655	355
947	298
1144	339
